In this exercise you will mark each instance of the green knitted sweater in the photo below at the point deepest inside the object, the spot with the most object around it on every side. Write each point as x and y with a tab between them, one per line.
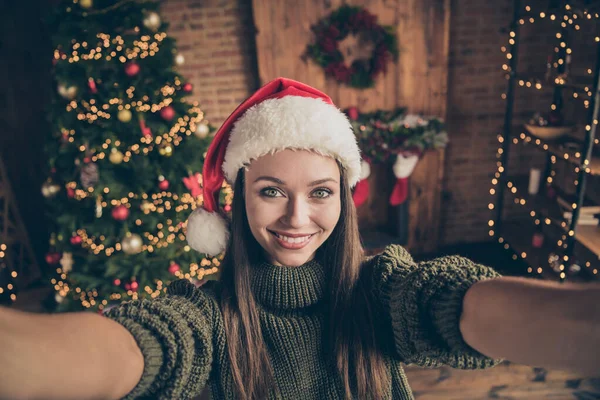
182	338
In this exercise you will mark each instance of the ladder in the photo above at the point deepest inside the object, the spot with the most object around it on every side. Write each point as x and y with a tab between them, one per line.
18	266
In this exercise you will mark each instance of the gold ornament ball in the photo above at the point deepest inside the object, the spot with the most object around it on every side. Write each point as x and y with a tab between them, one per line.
146	207
202	131
165	149
179	59
131	244
124	116
50	189
116	157
86	3
152	21
58	298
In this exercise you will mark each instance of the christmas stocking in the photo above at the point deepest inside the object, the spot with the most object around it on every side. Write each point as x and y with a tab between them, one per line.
403	167
361	192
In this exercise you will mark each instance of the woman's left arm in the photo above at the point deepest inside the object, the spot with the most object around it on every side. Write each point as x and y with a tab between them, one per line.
541	323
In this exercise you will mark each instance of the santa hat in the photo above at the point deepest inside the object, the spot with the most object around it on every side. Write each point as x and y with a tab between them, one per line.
283	114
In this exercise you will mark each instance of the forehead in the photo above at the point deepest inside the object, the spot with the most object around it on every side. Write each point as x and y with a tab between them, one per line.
294	163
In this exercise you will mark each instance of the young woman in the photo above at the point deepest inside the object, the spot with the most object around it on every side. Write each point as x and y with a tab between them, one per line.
299	313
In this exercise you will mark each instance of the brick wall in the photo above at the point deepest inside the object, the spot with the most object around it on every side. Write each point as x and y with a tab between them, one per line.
216	38
475	112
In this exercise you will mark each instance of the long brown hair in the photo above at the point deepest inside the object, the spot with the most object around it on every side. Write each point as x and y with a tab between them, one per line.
351	330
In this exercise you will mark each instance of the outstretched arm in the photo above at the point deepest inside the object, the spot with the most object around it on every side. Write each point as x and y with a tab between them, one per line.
540	323
66	356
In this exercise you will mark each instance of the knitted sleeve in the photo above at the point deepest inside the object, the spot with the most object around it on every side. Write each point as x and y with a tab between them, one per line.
174	333
423	303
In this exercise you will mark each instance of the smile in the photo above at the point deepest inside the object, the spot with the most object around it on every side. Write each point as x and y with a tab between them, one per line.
292	243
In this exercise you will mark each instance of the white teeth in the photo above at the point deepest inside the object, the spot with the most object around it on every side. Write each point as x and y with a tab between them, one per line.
293	240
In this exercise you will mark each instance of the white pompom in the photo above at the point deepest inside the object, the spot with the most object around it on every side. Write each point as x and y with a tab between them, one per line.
207	232
365	170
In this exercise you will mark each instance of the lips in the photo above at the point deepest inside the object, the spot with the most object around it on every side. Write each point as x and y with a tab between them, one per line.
292	242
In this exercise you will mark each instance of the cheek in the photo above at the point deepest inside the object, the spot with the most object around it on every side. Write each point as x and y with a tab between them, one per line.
327	216
260	213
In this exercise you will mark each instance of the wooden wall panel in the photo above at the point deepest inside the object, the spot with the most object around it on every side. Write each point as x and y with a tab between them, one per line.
417	81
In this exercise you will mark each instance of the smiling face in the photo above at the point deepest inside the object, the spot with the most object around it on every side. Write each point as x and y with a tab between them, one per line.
292	203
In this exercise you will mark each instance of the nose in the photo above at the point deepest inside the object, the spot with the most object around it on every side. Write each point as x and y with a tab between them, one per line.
297	213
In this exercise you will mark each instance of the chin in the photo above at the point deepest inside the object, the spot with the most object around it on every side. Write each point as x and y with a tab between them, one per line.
290	260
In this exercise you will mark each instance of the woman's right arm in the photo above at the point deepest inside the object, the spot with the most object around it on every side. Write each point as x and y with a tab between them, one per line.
160	349
66	356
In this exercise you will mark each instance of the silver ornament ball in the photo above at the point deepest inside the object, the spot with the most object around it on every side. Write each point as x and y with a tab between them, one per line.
152	21
202	131
179	59
67	92
50	189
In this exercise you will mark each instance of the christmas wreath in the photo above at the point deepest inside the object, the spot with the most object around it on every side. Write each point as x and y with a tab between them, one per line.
351	47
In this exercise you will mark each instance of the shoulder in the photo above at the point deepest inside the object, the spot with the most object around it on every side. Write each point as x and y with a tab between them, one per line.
393	258
205	296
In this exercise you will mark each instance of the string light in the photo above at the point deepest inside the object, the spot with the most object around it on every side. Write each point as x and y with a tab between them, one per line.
112	48
578	92
573	157
10	286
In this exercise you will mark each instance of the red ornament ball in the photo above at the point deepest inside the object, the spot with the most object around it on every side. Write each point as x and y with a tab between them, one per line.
128	286
188	87
173	268
75	240
134	285
163	184
227	208
120	213
117	282
53	258
70	193
167	113
132	69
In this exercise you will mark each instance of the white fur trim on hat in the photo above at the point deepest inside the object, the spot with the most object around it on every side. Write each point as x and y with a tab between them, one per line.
365	170
207	232
292	122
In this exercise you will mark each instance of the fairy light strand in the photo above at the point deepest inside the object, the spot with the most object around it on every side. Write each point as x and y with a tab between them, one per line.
582	92
10	287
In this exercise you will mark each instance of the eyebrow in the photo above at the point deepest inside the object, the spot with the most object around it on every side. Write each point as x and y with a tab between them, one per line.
280	182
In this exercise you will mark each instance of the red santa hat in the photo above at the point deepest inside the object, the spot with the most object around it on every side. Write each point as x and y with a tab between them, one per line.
283	114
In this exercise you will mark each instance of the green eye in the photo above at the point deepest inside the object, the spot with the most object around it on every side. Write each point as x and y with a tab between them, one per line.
270	192
322	193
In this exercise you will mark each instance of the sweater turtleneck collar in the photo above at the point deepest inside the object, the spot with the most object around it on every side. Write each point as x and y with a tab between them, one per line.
288	288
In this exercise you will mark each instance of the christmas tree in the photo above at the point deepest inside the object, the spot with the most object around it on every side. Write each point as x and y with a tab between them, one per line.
124	159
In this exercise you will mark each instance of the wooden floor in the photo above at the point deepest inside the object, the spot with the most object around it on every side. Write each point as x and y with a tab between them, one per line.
506	381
